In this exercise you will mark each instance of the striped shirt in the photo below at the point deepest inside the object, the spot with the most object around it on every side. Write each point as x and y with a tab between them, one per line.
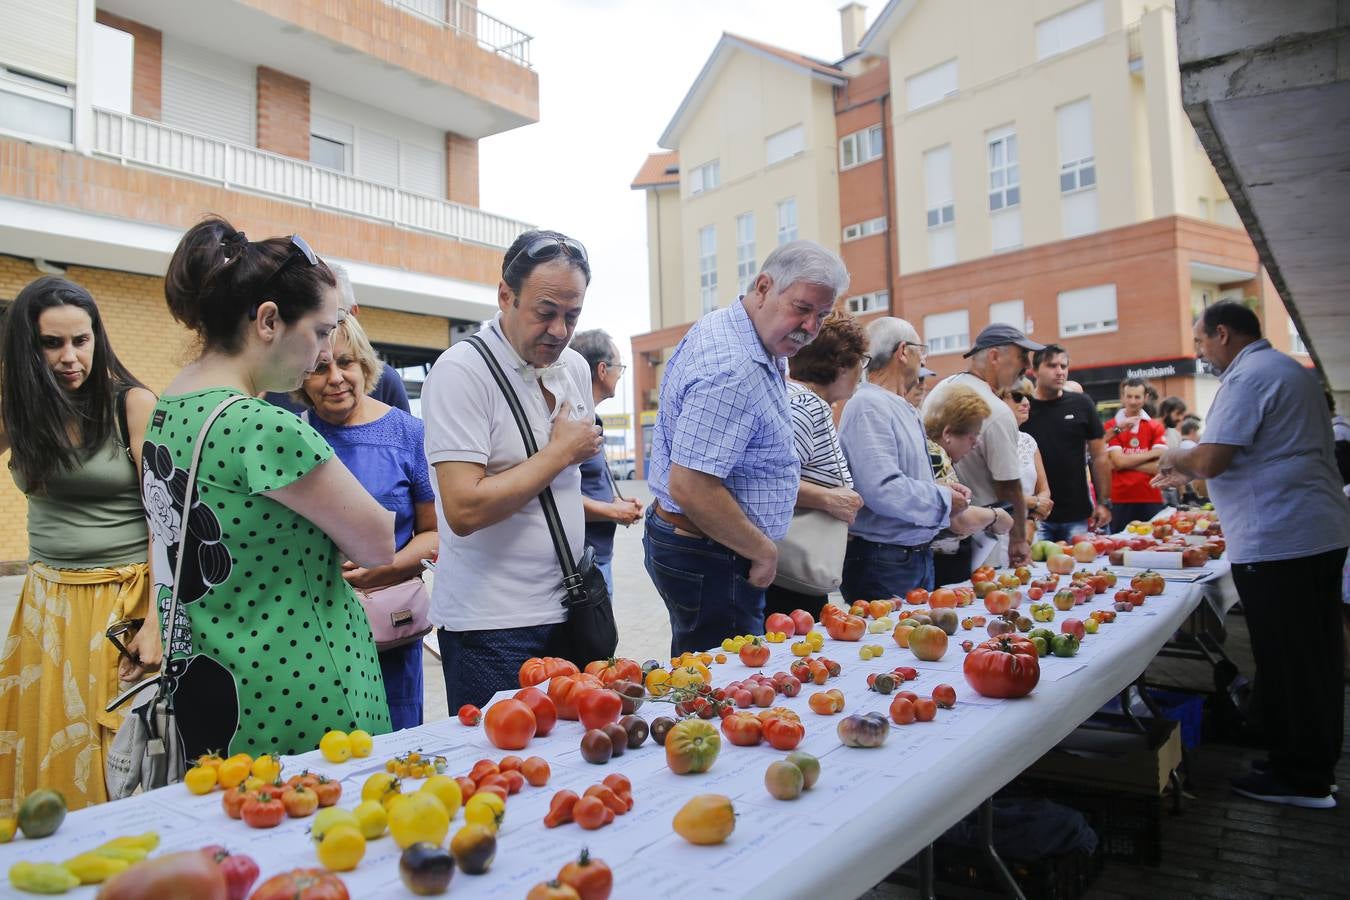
724	412
816	441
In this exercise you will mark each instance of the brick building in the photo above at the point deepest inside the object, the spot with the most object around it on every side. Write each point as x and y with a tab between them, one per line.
354	124
1038	170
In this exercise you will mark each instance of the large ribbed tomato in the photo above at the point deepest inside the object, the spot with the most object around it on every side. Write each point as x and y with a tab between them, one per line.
616	668
538	669
1003	667
564	691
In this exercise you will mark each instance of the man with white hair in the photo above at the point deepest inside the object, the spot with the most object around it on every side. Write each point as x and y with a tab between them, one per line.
723	472
890	548
994	469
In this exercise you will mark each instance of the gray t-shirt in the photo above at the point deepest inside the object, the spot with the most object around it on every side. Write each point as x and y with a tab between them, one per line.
1281	497
995	457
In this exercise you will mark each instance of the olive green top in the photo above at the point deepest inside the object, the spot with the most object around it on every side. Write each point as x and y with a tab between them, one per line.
88	517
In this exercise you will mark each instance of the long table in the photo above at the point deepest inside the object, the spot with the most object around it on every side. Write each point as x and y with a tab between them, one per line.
871	810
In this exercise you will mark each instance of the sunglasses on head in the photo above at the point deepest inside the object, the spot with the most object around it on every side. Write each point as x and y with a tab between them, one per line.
300	249
549	246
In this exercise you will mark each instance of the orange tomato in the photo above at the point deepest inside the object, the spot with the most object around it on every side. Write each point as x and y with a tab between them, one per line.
509	724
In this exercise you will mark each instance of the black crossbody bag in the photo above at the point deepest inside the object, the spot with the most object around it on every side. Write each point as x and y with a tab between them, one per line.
589	633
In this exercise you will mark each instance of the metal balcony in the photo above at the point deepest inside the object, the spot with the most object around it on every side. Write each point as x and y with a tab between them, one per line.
153	145
467	19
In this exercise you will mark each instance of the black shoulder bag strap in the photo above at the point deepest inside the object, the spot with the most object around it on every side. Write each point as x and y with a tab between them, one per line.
572	579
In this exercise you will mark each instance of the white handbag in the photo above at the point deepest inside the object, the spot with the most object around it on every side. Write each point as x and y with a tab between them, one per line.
811	555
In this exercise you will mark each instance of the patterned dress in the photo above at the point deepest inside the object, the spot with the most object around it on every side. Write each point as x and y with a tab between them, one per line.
270	648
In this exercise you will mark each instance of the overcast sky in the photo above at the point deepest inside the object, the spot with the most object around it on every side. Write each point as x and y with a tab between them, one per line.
611	74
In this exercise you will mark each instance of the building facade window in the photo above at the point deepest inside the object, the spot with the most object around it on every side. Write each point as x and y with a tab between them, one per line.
328	153
941	210
705	177
745	252
707	267
1090	310
1071	28
787	220
861	147
1008	312
947	332
877	301
36	107
1005	179
864	229
930	86
784	145
1077	168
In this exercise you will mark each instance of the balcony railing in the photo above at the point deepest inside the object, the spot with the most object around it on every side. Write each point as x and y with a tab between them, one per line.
144	142
465	17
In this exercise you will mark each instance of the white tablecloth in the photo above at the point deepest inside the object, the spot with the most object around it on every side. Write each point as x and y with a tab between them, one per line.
863	818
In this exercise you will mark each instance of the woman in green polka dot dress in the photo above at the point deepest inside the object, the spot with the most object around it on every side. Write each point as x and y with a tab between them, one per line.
270	648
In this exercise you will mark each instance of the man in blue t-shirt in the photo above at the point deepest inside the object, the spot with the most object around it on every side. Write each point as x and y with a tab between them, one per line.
605	509
390	387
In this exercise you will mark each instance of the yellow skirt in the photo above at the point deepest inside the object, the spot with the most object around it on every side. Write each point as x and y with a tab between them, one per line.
58	671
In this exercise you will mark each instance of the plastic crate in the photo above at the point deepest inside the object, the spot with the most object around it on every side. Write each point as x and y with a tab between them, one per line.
1062	877
1186	709
1128	825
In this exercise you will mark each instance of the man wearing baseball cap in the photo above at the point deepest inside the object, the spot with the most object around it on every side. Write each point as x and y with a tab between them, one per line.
992	470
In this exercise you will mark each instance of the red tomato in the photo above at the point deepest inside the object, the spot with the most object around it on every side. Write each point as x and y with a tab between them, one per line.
598	707
754	653
509	724
902	711
917	597
925	710
784	734
943	598
743	729
945	696
301	884
802	620
545	713
780	622
616	668
240	871
846	628
329	791
264	810
190	873
1003	668
470	715
538	669
589	877
299	802
563	690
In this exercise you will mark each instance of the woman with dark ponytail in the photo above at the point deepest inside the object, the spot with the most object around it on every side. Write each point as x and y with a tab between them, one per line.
269	648
73	419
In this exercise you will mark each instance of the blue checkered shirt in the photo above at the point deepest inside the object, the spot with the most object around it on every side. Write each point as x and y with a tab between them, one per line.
724	411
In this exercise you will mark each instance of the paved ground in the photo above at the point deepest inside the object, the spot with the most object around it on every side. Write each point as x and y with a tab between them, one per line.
1221	846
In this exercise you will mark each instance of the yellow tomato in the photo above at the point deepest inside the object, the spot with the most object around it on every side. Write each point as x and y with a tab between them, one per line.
658	682
232	772
200	779
336	746
361	743
332	817
485	809
253	783
419	817
801	648
342	848
378	786
728	645
447	790
373	819
266	767
7	829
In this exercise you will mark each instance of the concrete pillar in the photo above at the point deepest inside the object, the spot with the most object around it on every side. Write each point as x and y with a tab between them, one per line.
283	113
461	169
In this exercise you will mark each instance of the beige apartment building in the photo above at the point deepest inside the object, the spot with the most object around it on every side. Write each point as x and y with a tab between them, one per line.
1037	170
355	124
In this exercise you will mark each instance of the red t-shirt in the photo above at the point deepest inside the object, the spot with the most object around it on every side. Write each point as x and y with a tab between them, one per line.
1132	485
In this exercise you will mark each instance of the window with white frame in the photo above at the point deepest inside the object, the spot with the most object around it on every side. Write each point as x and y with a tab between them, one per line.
861	147
786	143
930	85
707	267
941	210
704	177
745	252
1008	312
1071	28
787	220
1077	166
1089	310
947	332
1296	344
877	301
328	153
36	107
864	229
1005	180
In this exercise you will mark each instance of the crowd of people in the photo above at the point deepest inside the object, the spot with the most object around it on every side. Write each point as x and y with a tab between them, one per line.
257	534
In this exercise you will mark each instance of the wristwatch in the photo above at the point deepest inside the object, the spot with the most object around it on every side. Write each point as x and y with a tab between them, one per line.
1106	503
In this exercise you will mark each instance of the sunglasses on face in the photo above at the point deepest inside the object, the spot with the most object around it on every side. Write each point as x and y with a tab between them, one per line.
1017	396
546	248
300	249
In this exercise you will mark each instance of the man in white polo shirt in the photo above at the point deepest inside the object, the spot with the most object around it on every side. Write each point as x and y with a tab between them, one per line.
498	595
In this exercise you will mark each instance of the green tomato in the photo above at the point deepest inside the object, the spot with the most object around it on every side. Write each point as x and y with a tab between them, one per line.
1065	645
1042	648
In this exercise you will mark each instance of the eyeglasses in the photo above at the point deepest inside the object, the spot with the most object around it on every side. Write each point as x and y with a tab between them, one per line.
300	249
120	628
1017	396
866	360
548	247
922	348
617	368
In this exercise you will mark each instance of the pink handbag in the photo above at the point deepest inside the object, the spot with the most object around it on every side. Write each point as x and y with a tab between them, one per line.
399	613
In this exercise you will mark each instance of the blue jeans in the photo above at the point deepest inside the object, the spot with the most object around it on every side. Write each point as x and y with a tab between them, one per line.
1061	531
402	670
879	571
478	664
607	569
704	586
